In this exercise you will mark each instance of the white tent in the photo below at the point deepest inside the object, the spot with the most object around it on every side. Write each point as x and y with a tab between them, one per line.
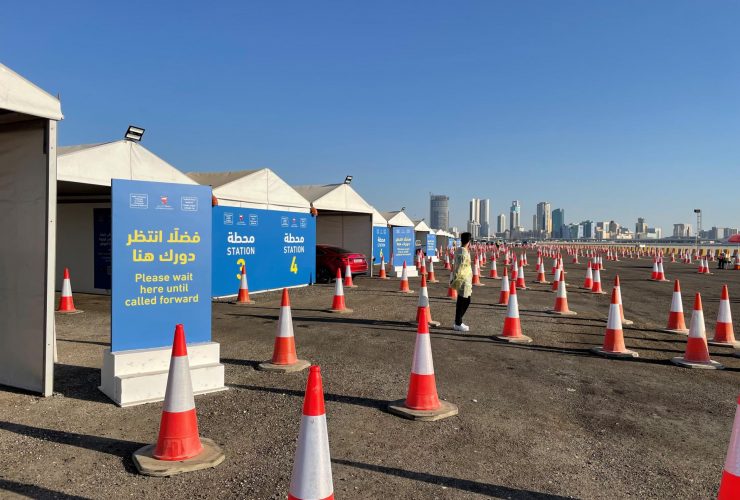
344	218
28	150
378	219
261	188
398	219
84	178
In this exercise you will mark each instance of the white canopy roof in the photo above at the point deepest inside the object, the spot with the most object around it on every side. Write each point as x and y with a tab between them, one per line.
421	226
379	220
260	188
335	197
99	163
19	95
398	218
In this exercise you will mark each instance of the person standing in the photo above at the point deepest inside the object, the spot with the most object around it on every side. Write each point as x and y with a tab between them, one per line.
462	281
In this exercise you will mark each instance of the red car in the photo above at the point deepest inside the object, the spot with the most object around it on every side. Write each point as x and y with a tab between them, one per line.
330	258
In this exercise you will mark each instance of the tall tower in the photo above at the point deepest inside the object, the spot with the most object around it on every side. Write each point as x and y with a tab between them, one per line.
439	211
558	223
514	214
484	217
501	223
544	218
474	218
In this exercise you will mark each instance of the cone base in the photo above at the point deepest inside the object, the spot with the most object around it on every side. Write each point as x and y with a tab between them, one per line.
627	322
735	344
430	323
350	286
501	305
514	340
237	303
709	365
479	284
446	409
680	332
346	310
269	366
626	354
404	291
74	311
146	464
432	281
561	313
542	282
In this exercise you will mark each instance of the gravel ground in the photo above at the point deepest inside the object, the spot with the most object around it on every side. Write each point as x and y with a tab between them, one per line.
545	420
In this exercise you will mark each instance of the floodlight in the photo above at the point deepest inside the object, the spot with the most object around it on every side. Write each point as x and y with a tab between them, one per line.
348	179
134	133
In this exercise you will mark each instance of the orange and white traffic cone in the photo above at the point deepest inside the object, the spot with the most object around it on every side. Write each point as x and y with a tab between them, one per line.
493	273
589	281
654	274
614	338
660	276
618	287
348	277
422	401
541	277
66	301
561	301
556	279
431	278
382	275
179	447
424	310
729	486
476	274
284	358
242	298
448	266
724	332
520	283
311	478
338	304
512	331
676	321
405	280
503	298
451	291
596	288
697	351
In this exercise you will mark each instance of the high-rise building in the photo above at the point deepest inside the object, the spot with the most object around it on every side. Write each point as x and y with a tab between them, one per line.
535	223
501	223
439	211
514	215
588	229
474	218
641	227
543	220
484	217
558	222
681	230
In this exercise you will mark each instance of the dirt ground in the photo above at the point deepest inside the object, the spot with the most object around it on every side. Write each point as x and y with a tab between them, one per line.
545	420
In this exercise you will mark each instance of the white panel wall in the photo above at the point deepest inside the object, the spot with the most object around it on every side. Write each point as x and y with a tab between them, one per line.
75	245
353	232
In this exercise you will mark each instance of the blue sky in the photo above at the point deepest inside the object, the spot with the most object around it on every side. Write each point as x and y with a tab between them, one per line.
609	109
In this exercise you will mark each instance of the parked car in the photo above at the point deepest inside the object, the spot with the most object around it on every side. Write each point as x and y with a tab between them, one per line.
330	258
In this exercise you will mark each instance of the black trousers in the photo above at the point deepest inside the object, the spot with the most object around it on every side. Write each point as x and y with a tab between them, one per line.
461	308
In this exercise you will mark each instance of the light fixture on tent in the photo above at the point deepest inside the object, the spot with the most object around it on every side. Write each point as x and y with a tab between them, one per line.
134	133
348	179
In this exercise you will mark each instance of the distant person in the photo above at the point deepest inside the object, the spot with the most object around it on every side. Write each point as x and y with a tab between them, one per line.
722	260
462	281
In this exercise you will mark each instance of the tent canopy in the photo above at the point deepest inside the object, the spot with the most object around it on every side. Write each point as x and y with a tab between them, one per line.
421	226
335	198
379	220
398	218
98	164
21	96
261	188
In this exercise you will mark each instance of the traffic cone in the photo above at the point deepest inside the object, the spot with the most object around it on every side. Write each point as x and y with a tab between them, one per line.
284	358
382	275
724	333
596	288
561	301
493	273
697	352
311	478
660	276
614	338
729	486
66	301
424	310
422	401
348	277
503	298
618	287
451	292
242	297
431	278
179	447
520	283
476	274
654	274
676	322
541	277
448	266
556	279
589	282
512	331
338	304
405	280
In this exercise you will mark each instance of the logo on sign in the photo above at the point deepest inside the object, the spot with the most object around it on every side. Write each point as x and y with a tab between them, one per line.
253	220
138	200
304	223
284	222
189	203
240	221
163	203
228	219
294	222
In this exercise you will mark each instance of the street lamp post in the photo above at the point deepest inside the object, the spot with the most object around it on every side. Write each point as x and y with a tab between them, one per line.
697	211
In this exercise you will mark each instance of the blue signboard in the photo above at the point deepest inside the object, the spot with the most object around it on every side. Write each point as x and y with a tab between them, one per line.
161	263
431	249
102	256
277	248
380	244
403	246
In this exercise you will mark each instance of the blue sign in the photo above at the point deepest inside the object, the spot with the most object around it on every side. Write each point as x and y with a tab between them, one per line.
102	256
277	248
431	249
380	245
403	246
161	263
